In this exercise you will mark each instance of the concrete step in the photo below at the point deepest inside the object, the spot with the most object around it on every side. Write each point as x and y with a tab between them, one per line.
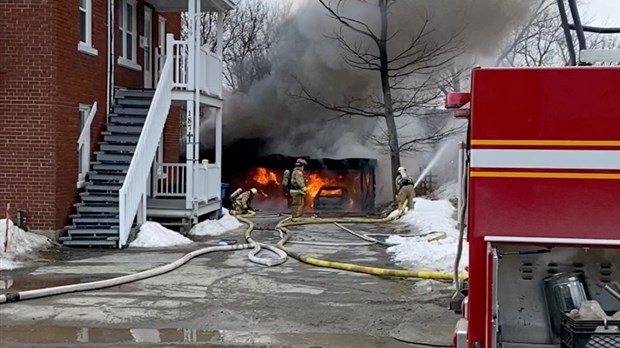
91	186
106	219
90	208
123	129
117	138
127	111
134	102
90	198
105	157
109	167
107	147
92	231
96	176
134	93
128	120
89	241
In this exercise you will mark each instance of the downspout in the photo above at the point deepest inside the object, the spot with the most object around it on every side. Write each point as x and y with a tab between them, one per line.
110	77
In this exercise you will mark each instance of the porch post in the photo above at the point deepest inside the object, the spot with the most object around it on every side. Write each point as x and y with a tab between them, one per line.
198	70
218	137
191	48
189	154
218	111
220	34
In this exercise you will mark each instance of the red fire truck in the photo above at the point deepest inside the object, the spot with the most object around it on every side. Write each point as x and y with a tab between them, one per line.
543	177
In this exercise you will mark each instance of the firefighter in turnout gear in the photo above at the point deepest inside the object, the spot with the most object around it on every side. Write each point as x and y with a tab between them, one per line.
241	203
404	188
298	189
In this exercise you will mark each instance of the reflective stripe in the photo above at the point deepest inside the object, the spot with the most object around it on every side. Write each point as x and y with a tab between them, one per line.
552	240
501	142
546	159
545	175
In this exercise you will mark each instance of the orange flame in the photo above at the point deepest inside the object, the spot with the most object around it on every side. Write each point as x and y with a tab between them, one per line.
268	184
263	176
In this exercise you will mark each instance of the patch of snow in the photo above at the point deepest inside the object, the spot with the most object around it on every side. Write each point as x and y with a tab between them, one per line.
22	245
216	227
418	253
449	191
154	235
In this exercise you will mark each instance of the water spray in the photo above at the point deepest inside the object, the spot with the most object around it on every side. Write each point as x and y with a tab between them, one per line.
432	163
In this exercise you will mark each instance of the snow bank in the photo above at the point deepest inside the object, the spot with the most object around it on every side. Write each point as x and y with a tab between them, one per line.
216	227
22	245
154	235
417	253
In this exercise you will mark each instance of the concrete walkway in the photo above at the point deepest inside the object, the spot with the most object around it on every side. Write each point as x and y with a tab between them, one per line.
223	299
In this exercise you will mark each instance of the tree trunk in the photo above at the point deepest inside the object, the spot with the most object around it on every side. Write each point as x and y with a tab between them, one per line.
387	95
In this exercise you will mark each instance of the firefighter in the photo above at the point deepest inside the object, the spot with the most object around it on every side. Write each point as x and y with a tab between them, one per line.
404	188
297	189
241	203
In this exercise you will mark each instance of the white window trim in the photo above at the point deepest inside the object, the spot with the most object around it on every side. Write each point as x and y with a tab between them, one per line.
122	60
87	46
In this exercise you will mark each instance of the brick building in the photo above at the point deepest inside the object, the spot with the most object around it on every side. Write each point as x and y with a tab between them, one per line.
57	59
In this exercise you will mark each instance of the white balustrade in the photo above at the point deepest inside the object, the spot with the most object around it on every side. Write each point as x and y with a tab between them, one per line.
210	79
84	146
132	195
171	182
206	181
179	51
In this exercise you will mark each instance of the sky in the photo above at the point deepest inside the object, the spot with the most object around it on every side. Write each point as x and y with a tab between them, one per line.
602	12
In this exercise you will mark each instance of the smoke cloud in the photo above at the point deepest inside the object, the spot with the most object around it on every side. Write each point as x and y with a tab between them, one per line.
303	52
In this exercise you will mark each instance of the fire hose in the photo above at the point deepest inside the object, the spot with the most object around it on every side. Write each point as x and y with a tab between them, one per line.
281	251
101	284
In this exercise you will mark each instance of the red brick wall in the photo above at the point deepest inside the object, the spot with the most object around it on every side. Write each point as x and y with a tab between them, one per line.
83	80
27	108
43	79
172	132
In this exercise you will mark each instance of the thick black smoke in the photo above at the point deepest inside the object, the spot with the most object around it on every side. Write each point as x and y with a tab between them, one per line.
303	53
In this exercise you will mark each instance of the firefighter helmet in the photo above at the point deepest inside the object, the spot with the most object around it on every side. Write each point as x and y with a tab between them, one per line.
301	162
253	190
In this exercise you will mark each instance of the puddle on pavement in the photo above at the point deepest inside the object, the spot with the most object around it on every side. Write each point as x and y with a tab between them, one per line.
62	334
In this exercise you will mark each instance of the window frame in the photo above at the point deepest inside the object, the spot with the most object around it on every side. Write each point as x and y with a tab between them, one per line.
123	31
87	45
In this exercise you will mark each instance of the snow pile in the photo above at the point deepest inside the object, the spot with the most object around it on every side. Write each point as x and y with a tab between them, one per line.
154	235
416	252
449	191
22	245
216	227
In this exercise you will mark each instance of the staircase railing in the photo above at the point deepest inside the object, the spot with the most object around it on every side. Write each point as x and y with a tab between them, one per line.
132	196
84	146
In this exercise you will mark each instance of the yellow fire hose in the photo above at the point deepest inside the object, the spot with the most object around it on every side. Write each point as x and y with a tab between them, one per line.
286	235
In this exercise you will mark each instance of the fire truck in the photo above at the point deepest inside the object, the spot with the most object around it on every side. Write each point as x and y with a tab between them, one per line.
541	203
543	177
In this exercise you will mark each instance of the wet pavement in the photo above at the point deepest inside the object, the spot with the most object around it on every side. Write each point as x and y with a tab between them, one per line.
222	299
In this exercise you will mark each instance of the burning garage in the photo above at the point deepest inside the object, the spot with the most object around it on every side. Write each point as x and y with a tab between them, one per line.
342	185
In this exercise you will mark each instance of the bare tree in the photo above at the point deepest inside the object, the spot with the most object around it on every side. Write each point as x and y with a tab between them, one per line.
411	75
249	32
541	41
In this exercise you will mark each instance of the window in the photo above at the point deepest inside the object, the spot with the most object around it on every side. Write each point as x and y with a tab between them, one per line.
86	27
128	35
